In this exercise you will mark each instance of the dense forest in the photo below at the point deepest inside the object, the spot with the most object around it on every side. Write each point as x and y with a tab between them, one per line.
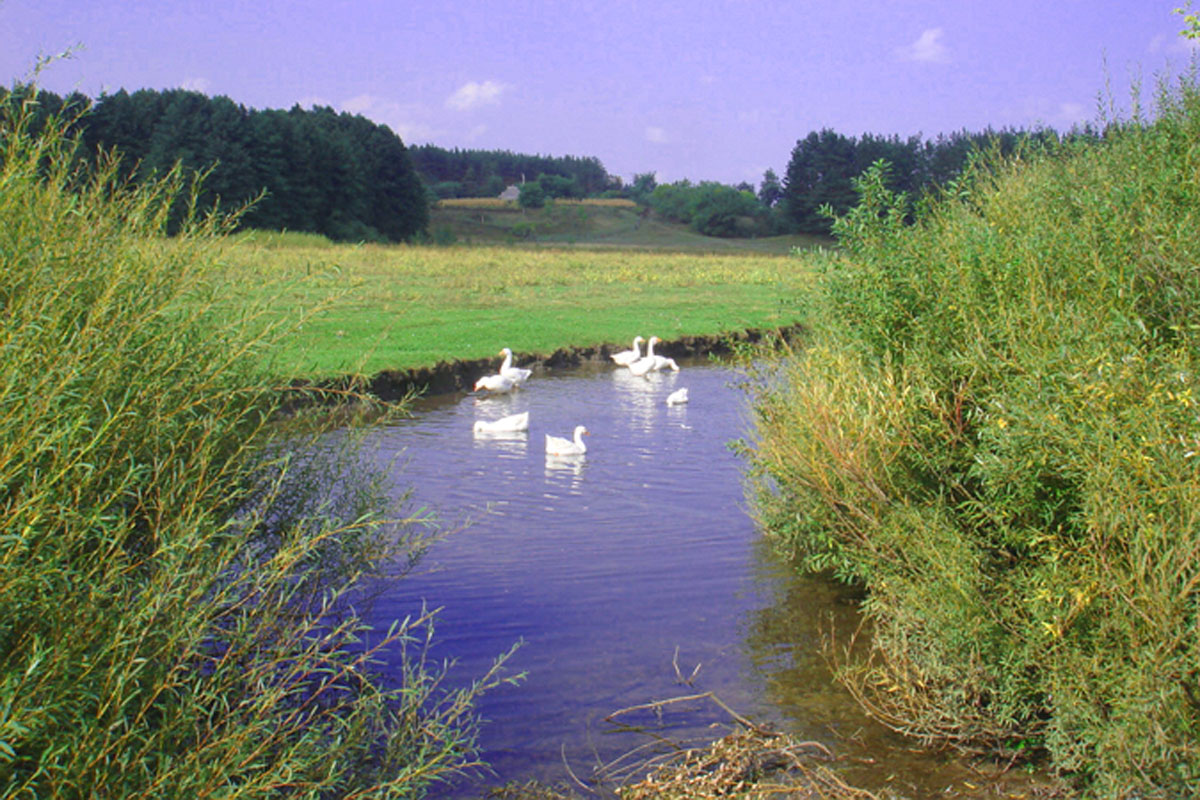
349	178
315	170
824	164
820	179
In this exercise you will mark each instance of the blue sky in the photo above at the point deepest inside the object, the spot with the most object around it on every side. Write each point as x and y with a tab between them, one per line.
714	90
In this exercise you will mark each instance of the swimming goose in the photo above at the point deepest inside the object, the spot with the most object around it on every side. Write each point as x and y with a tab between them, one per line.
627	357
514	423
677	397
495	383
647	362
558	446
515	374
660	362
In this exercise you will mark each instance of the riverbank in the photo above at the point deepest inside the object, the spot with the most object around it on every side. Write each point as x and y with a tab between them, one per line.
460	375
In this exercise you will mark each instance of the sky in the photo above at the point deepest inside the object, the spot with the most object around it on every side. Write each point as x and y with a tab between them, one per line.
704	89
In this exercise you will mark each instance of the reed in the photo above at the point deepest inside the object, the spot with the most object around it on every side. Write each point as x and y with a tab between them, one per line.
994	429
175	582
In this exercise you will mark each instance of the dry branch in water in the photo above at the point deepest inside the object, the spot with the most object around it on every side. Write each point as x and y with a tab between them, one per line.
749	763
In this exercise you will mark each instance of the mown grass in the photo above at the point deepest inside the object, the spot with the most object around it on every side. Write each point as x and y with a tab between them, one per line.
412	306
177	568
994	428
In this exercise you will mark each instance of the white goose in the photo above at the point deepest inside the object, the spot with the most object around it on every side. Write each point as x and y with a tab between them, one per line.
627	357
558	446
660	362
647	362
514	423
677	397
515	374
495	383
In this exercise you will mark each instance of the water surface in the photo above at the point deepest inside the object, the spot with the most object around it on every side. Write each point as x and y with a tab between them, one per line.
620	571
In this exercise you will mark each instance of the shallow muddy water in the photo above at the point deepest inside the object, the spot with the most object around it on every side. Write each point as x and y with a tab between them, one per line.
620	571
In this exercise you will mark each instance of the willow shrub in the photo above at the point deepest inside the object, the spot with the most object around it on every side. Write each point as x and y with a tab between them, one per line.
994	429
175	584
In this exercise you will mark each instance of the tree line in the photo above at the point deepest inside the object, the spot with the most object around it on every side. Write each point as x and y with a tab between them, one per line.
486	173
348	178
824	164
315	170
819	180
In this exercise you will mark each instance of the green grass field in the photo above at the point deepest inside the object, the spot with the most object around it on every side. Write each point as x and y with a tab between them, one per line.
372	307
587	224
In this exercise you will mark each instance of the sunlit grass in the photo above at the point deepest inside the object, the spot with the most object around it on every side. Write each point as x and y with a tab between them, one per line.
411	306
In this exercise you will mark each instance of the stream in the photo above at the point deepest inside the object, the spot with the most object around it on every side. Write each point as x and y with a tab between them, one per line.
631	575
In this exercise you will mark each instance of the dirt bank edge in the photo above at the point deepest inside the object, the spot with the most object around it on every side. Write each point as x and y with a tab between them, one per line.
460	376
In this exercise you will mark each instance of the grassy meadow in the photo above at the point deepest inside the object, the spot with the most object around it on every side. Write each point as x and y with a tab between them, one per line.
366	308
591	224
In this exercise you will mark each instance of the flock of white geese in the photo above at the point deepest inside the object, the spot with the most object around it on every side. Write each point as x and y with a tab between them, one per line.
510	377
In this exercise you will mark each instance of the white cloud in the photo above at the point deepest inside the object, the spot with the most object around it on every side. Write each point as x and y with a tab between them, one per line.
656	134
473	95
196	85
409	121
928	47
414	132
477	131
1176	45
362	104
308	101
1071	114
1061	115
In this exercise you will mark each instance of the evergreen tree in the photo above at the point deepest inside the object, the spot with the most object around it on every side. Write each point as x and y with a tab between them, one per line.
770	190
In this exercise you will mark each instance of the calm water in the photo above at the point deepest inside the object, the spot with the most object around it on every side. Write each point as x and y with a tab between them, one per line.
608	565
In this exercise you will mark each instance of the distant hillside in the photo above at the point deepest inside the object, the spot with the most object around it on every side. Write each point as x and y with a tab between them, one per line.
485	173
587	223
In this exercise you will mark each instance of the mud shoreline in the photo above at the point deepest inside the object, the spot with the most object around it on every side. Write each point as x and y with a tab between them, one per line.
460	376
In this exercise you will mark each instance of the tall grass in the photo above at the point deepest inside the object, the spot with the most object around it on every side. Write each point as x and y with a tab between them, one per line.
995	430
174	580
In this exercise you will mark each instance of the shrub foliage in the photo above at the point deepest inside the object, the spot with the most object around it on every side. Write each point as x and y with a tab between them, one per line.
994	428
173	578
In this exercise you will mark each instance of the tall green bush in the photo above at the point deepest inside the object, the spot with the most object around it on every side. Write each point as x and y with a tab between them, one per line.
174	576
994	429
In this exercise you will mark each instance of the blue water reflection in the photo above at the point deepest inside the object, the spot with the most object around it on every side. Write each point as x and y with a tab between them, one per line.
604	565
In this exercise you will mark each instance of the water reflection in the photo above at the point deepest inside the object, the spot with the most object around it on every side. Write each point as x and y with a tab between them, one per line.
643	396
611	568
515	443
565	471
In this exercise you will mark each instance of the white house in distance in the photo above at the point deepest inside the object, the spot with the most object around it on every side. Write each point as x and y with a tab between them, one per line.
511	193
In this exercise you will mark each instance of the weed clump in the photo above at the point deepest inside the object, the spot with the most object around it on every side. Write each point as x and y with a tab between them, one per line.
995	431
174	578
